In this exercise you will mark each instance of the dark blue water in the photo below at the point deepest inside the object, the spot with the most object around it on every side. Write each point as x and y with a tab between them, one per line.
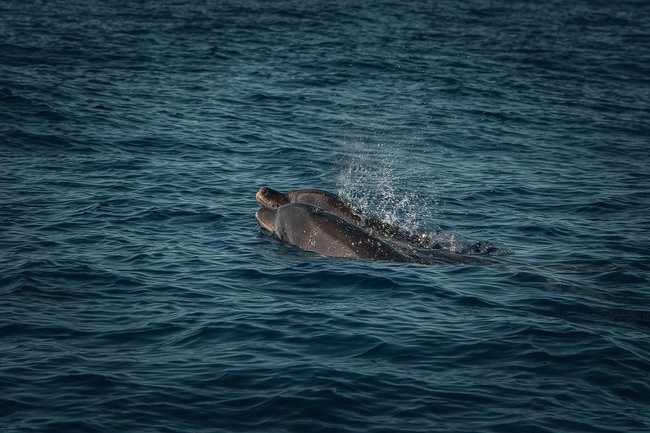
137	293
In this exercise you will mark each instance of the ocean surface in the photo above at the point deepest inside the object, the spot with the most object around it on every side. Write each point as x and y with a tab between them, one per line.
138	294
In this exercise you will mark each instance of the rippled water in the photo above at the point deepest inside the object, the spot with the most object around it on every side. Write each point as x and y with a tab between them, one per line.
138	294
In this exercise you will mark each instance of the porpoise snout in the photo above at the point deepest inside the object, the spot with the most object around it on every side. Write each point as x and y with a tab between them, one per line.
266	218
270	197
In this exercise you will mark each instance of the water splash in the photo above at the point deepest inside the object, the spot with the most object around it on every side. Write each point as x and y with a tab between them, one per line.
388	179
385	177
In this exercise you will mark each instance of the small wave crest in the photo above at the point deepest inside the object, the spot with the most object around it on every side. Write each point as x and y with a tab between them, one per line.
457	243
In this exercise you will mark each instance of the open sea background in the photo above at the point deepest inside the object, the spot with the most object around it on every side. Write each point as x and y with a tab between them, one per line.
137	293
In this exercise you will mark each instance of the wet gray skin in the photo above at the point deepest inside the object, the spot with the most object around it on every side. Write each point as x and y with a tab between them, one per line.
338	206
317	197
310	228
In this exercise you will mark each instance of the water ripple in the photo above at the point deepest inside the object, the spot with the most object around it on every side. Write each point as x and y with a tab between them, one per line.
138	294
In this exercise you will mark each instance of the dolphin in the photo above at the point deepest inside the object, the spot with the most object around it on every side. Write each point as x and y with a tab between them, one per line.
333	203
311	228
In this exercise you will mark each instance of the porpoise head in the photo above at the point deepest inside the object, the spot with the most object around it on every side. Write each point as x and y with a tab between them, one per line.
271	198
266	218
